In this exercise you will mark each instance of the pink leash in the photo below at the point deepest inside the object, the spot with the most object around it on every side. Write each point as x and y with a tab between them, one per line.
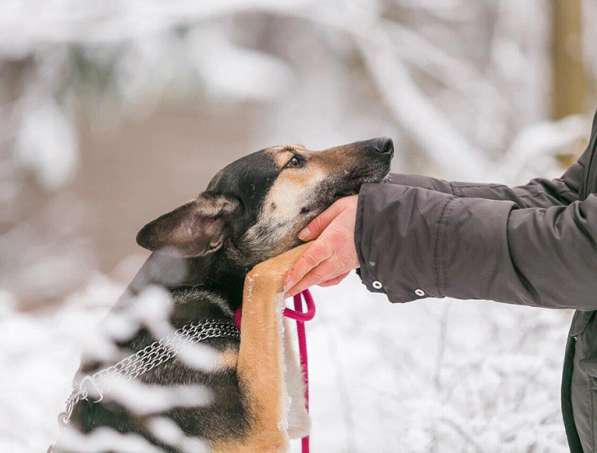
300	317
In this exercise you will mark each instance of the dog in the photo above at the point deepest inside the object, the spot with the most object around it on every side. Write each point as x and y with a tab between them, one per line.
231	245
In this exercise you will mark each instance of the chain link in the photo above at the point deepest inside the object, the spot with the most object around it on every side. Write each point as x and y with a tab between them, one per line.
148	358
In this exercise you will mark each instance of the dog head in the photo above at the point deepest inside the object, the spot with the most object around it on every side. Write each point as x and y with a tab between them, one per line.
255	207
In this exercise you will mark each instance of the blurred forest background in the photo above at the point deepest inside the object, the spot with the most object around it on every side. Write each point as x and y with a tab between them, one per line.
114	112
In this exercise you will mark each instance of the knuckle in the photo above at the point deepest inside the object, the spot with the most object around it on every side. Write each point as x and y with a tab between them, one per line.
316	223
320	273
310	260
319	251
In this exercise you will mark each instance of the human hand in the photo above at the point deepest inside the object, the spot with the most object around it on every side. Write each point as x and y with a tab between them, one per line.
332	255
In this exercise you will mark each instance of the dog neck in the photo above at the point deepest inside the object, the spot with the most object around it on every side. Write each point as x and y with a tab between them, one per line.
217	273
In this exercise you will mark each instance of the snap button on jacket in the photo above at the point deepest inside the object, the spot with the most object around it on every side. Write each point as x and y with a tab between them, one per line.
531	245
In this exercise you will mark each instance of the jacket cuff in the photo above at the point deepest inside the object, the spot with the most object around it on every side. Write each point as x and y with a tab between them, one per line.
414	243
396	234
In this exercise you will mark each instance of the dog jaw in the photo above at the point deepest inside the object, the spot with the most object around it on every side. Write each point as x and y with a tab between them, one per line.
281	216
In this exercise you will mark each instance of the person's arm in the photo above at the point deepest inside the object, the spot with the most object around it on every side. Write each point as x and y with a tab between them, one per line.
332	255
414	243
479	221
538	193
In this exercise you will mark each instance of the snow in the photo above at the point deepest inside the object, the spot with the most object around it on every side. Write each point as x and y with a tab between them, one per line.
438	375
395	378
463	87
478	97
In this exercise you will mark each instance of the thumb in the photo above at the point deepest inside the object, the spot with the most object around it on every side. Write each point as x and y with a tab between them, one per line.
320	223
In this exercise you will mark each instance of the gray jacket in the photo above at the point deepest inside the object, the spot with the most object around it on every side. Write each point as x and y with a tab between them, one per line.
531	245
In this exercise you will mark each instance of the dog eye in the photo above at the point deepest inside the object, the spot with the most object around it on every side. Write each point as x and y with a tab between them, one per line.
296	162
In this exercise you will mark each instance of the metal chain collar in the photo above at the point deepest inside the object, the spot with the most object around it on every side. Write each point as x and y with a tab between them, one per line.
148	358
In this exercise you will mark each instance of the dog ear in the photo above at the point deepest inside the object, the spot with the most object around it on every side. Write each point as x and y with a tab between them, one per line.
196	228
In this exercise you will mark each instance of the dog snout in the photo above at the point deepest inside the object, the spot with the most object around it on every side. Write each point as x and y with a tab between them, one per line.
382	145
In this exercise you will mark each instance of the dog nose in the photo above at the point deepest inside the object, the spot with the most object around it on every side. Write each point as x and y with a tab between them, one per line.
383	145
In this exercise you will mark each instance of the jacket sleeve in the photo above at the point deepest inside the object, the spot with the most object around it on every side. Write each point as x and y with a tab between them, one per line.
533	245
538	193
414	243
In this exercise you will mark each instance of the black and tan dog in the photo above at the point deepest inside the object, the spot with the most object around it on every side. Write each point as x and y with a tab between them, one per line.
207	254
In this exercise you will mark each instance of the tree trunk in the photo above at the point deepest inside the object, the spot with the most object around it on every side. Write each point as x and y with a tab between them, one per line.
570	80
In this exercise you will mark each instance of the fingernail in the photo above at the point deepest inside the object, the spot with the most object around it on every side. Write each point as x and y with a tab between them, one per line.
304	234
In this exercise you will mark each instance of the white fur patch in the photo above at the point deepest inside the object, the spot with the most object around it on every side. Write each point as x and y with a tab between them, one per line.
281	212
298	419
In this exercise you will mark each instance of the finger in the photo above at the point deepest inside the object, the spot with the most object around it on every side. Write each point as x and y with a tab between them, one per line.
327	270
319	223
312	257
334	281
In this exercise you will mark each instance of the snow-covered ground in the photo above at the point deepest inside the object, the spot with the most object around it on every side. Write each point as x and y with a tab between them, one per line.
428	376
